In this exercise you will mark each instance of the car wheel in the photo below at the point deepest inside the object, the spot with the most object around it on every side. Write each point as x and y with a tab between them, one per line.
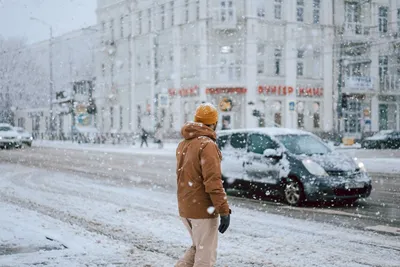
293	192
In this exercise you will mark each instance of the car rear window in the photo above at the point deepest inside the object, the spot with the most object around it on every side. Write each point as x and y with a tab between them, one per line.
222	141
4	129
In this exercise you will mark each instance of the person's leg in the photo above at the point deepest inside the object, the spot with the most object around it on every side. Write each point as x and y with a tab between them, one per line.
188	258
205	238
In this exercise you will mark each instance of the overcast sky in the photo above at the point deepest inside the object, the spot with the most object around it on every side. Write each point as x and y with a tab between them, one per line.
63	15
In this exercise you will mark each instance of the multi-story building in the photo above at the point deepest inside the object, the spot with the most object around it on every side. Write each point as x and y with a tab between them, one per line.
71	58
261	62
368	65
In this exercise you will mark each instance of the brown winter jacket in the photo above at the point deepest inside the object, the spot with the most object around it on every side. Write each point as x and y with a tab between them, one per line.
200	191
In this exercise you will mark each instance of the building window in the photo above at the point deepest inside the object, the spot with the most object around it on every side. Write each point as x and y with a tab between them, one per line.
300	10
103	70
383	19
139	23
172	13
260	67
316	120
197	9
278	9
316	11
112	117
261	9
162	8
121	22
317	63
226	10
278	58
112	73
186	11
121	118
383	67
398	19
149	17
103	31
112	30
260	49
300	120
300	62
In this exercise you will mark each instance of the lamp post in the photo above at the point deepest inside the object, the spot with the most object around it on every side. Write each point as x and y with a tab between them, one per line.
51	82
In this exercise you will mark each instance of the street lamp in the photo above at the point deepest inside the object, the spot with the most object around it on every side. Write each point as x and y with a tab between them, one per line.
51	82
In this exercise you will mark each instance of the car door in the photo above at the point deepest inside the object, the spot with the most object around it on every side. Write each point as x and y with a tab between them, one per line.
233	152
259	168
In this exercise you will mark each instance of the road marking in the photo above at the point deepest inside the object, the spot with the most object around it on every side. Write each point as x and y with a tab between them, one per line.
384	229
328	211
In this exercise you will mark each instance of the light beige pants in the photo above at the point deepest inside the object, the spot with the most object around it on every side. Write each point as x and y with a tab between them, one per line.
203	252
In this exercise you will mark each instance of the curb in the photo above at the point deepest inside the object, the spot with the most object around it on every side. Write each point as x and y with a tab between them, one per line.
384	229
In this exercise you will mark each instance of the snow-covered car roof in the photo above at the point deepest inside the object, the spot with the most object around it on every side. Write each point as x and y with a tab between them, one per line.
273	131
380	135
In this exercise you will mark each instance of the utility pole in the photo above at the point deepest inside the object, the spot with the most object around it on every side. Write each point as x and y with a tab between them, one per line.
51	82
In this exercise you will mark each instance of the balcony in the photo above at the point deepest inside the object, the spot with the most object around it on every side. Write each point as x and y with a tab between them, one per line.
358	84
224	18
355	32
390	84
225	74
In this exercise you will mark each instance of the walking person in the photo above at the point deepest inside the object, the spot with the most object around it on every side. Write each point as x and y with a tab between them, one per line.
158	136
201	197
144	136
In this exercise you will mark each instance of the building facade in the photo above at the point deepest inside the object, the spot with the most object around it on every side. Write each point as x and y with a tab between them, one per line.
367	93
260	62
72	60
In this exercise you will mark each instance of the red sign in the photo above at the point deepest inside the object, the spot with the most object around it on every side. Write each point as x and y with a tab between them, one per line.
275	90
288	90
236	90
192	91
310	92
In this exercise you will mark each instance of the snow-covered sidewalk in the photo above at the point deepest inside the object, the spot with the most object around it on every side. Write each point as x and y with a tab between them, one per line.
375	161
143	226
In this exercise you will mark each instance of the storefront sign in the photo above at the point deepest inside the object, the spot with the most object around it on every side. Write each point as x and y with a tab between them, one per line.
82	117
310	92
275	90
359	83
236	90
192	91
280	90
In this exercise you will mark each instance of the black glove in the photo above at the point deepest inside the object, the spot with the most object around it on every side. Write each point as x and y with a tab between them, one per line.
224	224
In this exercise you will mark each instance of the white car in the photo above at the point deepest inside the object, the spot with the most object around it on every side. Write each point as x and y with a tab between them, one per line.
8	136
25	137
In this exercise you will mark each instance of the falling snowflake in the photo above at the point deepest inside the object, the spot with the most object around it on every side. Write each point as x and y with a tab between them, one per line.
210	210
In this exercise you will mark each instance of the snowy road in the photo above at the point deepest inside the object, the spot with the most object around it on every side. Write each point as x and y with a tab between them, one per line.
382	208
96	221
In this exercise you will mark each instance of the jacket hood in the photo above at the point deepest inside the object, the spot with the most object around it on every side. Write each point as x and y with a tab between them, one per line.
193	130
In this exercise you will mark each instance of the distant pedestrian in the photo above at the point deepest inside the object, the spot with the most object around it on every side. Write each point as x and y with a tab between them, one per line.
158	136
201	196
144	136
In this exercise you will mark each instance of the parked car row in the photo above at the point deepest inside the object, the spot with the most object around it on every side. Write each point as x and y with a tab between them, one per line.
14	136
386	139
292	164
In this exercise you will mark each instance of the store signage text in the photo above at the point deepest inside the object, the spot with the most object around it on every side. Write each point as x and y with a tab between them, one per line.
316	92
192	91
235	90
288	90
275	90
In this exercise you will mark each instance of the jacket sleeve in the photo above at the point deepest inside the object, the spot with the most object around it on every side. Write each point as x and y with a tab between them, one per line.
211	171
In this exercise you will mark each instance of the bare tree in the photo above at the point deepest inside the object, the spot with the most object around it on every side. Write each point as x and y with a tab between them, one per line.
18	76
